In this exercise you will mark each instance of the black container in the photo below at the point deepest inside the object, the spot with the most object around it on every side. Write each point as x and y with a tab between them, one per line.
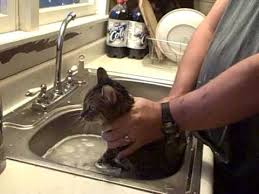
137	34
117	31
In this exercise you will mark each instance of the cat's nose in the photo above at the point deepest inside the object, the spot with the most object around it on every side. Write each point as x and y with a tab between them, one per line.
82	115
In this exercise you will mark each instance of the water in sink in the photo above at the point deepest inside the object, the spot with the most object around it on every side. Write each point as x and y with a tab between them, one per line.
80	151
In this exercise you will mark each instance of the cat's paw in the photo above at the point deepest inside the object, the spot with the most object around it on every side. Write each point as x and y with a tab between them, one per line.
124	163
108	169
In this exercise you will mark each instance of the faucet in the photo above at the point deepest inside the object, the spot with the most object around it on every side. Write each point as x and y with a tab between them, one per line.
57	82
45	98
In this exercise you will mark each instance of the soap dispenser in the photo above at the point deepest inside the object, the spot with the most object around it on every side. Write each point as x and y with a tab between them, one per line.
2	154
82	71
81	65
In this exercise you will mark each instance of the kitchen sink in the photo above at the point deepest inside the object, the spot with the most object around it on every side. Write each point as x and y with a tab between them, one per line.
29	136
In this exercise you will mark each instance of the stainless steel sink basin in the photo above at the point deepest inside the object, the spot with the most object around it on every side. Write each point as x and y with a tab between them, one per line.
68	125
28	136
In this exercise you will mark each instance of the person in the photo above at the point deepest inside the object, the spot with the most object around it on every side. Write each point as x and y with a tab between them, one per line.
215	96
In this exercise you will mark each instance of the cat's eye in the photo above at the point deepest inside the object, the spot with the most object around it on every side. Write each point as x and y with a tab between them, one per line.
92	108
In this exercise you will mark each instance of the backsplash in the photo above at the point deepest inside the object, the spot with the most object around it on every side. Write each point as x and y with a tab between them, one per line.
32	62
37	46
29	54
13	88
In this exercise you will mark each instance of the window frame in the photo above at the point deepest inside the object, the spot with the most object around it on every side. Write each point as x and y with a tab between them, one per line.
8	20
26	16
56	14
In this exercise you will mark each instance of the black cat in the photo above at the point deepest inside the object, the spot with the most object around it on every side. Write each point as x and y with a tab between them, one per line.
107	101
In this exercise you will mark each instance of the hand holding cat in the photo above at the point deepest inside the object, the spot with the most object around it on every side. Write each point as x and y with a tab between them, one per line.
140	126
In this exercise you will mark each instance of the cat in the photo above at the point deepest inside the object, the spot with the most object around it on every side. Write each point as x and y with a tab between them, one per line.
106	102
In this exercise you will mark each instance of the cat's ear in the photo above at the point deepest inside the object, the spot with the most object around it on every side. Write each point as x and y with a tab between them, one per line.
109	93
102	75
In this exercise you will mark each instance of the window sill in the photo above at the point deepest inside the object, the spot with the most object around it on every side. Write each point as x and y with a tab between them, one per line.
11	39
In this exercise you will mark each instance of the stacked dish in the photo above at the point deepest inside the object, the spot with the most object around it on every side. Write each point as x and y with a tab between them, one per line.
174	31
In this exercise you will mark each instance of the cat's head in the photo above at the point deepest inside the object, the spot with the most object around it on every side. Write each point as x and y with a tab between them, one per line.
107	100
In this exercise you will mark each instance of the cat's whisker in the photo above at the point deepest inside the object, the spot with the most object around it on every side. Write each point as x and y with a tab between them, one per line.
75	114
82	125
76	119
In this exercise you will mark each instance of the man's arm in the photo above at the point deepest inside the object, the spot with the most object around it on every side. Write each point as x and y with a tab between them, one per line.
230	97
190	65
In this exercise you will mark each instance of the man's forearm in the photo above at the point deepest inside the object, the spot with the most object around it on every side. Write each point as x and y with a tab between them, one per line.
230	97
190	65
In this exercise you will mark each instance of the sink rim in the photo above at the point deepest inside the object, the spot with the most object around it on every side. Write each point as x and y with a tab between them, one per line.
29	157
45	119
32	158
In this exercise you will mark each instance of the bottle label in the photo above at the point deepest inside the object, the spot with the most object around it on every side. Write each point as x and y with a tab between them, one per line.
117	33
137	35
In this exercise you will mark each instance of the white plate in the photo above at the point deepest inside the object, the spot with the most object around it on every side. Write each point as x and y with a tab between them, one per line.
175	30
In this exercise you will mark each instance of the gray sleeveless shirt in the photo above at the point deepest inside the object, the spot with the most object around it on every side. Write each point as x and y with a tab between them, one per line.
236	38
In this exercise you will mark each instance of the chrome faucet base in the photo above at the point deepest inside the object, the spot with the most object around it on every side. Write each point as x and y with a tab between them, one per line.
53	98
46	99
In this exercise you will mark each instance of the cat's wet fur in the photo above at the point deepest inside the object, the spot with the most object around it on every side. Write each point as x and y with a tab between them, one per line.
107	101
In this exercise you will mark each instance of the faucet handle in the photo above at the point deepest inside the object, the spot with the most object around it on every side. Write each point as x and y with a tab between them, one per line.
71	81
70	73
34	91
72	70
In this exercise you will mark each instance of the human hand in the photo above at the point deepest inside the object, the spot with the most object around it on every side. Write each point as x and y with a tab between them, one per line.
140	126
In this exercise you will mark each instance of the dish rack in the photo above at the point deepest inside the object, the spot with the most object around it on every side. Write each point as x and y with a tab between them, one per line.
172	50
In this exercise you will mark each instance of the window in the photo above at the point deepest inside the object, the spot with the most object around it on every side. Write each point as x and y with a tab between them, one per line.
54	3
54	10
33	13
7	15
3	6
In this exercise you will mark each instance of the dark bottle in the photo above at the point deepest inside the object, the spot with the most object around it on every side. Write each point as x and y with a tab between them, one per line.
117	31
137	33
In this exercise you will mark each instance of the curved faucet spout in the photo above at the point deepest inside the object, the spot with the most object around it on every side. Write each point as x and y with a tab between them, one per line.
60	40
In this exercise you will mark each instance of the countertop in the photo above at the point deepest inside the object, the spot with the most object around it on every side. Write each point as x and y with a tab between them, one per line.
21	178
164	72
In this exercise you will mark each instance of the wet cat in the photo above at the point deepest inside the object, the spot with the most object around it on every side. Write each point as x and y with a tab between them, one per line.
107	101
